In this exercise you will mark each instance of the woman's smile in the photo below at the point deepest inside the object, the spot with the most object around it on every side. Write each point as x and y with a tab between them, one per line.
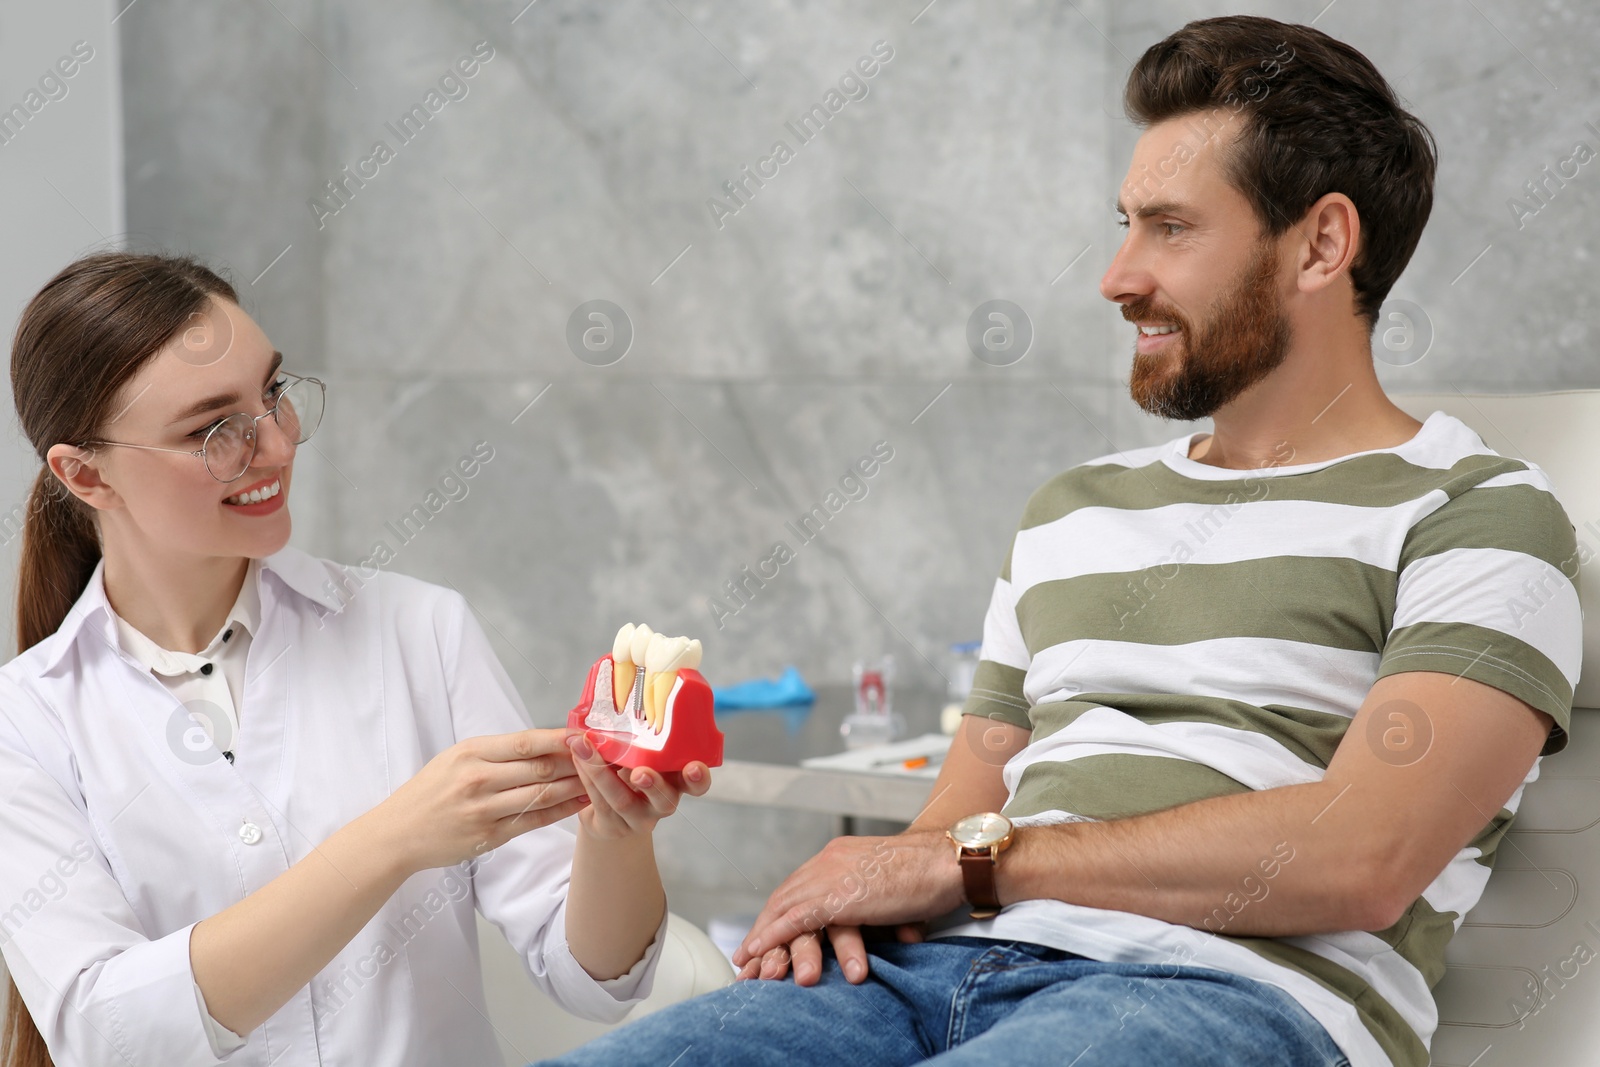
261	498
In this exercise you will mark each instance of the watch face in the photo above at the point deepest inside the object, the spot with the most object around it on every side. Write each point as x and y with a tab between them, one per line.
981	830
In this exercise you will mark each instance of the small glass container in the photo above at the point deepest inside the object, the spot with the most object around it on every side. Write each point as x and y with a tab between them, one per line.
962	663
874	721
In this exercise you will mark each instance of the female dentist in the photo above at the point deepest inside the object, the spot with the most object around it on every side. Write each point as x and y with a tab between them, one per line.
249	800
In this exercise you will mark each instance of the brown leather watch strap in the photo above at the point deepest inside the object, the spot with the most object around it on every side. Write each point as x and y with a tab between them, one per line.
977	878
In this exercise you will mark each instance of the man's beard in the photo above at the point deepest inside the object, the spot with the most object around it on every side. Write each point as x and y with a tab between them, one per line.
1243	339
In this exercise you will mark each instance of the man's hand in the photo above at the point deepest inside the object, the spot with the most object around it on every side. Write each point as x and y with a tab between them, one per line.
852	882
970	781
805	953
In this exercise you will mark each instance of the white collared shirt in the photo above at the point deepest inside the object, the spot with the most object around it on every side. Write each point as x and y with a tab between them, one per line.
120	831
209	683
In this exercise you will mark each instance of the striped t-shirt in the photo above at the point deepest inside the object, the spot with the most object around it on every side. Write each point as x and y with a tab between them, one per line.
1169	631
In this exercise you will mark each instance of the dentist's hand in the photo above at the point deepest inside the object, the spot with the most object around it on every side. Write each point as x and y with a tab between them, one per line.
478	794
626	802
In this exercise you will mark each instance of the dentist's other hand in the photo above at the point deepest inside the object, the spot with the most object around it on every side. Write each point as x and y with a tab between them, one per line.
478	794
626	802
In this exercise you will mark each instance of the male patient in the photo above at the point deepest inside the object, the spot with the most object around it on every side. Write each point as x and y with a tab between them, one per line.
1254	707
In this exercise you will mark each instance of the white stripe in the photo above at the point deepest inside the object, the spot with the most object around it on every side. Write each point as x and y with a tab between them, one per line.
1098	540
1513	592
1053	817
1460	885
1134	457
1443	441
1002	636
1381	967
1534	476
1253	759
1255	670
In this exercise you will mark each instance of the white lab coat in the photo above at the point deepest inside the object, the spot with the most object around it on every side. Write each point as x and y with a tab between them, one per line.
116	838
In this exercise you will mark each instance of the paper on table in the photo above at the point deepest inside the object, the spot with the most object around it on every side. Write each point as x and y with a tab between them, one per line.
888	759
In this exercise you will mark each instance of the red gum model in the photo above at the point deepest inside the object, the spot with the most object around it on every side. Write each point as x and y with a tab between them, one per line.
688	733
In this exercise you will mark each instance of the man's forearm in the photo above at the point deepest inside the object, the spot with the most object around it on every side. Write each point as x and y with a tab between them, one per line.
970	781
1269	863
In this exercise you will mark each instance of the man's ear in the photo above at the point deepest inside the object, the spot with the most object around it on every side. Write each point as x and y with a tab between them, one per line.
76	469
1331	232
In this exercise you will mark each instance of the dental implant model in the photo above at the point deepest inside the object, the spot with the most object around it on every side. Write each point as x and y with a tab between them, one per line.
647	704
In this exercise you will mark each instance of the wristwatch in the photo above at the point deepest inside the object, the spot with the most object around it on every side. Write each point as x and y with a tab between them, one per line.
979	840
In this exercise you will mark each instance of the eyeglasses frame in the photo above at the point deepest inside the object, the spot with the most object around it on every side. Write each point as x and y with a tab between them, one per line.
254	437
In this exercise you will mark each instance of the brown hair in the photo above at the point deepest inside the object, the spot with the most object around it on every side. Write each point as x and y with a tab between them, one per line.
1319	119
80	339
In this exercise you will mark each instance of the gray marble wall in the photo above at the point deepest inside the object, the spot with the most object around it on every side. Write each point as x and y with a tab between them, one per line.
774	346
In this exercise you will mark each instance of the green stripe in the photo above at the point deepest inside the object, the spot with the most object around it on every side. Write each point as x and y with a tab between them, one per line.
1488	840
1311	735
997	694
1399	1042
1492	657
1116	785
1370	481
1323	600
1515	518
1419	938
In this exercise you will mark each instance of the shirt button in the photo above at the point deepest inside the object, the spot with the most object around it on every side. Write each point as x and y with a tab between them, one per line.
250	833
205	668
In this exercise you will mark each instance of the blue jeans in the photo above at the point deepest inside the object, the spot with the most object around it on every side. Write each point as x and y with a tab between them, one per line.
968	1000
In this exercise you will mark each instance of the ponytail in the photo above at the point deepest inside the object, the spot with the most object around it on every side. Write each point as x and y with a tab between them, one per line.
60	547
21	1044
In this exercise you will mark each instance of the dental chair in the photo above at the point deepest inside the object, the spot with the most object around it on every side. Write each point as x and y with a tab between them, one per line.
531	1027
1522	979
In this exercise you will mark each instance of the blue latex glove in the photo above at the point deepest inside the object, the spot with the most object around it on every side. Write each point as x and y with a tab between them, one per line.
787	690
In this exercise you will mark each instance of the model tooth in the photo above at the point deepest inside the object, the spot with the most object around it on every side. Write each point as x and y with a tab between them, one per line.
656	653
669	656
645	667
622	666
638	643
660	691
673	654
624	642
681	648
655	657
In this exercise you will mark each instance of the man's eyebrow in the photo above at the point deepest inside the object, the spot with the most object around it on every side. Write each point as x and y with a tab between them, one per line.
1160	207
226	399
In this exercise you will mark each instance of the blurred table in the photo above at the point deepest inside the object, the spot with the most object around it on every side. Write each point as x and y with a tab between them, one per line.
763	750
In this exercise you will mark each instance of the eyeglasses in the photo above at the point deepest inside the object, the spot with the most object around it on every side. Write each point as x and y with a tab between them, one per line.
230	445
